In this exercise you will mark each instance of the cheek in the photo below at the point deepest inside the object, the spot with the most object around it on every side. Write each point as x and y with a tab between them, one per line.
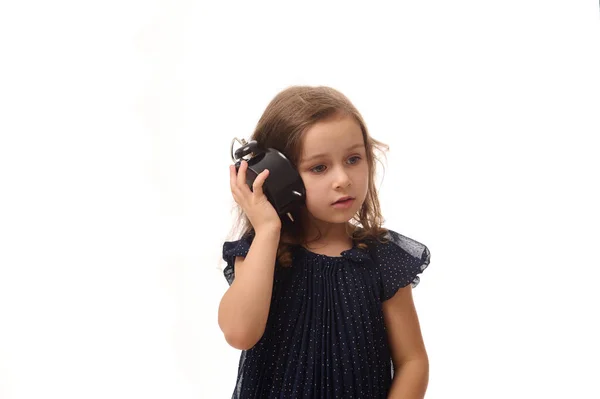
360	175
362	183
314	190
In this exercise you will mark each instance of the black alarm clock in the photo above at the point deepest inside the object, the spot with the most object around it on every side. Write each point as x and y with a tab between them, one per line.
283	188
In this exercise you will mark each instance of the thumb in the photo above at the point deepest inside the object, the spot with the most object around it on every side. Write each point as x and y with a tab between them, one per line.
257	186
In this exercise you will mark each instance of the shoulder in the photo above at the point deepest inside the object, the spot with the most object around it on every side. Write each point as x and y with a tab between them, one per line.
244	240
396	243
400	260
233	249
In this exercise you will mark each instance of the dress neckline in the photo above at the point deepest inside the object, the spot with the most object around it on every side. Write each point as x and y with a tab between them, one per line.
354	253
341	255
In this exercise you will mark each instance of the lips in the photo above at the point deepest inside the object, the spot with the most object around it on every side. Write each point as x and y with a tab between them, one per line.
342	199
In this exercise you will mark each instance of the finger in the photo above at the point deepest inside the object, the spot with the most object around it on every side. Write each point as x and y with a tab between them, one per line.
235	192
232	177
242	186
241	177
257	186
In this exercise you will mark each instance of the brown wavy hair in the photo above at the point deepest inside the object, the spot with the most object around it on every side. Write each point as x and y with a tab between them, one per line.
282	125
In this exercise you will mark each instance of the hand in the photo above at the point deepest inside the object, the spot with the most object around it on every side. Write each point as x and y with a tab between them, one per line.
254	202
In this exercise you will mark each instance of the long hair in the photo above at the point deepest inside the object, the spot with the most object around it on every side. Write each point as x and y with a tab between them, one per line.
282	125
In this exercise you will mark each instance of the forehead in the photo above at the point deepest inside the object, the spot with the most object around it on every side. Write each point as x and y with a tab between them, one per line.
331	136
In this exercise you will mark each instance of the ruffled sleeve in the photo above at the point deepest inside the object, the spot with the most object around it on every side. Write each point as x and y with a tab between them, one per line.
231	249
400	260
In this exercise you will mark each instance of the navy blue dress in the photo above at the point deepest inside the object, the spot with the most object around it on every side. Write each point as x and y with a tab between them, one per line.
325	335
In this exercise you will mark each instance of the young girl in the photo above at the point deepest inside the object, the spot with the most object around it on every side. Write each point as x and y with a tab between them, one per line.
322	307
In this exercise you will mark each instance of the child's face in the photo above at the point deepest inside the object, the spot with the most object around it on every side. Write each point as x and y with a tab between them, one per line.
333	164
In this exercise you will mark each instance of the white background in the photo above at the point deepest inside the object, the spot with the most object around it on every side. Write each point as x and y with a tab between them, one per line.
116	119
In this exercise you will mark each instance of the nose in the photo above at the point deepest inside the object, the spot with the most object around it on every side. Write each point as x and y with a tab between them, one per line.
341	179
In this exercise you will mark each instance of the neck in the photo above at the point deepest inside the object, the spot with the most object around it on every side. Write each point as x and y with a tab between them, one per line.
318	232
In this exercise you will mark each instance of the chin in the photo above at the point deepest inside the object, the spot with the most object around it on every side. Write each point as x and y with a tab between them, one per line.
335	217
339	220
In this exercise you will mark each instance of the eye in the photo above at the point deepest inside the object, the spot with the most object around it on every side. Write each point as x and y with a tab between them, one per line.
317	171
354	157
351	161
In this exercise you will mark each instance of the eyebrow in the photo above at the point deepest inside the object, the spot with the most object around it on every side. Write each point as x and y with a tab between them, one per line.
323	155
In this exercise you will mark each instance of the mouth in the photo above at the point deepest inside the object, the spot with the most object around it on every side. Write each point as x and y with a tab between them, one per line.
343	200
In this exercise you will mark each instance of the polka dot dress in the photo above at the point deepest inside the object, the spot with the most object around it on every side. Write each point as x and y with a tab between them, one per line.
325	335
